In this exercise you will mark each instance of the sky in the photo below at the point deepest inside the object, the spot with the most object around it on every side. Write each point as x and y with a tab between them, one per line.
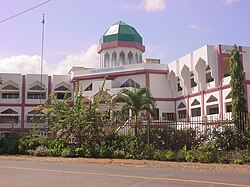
169	28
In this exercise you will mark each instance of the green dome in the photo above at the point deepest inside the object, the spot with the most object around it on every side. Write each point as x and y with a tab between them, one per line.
121	31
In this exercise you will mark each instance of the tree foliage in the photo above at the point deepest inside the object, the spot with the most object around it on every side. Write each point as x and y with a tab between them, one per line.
137	101
237	88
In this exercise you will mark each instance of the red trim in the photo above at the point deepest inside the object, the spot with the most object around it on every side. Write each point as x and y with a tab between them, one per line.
165	99
147	77
202	106
50	85
18	129
187	108
113	75
23	101
19	105
114	44
220	72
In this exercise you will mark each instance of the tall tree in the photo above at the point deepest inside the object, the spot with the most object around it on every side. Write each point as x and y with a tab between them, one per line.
237	88
137	101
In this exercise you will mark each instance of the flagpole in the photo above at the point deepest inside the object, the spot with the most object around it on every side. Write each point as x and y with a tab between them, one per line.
43	21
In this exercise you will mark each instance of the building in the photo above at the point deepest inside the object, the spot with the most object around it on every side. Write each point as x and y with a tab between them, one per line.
193	86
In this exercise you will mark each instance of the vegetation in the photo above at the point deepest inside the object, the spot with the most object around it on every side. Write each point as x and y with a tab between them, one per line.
137	101
83	130
237	89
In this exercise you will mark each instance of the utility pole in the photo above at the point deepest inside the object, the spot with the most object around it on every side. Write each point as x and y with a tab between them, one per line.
43	21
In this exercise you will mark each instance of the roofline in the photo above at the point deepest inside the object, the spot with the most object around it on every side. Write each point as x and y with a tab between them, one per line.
113	75
114	44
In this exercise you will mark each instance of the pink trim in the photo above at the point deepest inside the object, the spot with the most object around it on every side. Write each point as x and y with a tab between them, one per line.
50	85
113	75
165	99
18	129
202	106
23	101
114	44
20	105
187	108
220	61
148	86
220	72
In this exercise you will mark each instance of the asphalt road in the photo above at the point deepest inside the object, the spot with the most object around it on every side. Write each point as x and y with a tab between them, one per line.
46	174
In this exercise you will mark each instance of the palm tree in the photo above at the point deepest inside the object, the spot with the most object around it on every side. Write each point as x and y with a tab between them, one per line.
137	101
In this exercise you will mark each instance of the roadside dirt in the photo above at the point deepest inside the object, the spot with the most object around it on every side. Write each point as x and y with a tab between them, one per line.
138	163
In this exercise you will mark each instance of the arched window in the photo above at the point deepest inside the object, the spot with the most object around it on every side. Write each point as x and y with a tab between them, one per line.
114	59
122	58
106	60
130	58
136	58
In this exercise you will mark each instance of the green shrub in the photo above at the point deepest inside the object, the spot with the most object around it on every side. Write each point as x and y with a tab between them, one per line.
31	142
239	161
182	154
68	152
159	155
192	155
119	154
170	156
41	151
55	152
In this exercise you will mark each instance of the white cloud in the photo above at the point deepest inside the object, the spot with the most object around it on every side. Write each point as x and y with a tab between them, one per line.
200	27
25	64
22	64
88	58
230	2
153	5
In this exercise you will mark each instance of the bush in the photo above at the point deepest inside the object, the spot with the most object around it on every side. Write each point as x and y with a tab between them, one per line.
119	154
159	155
9	143
68	152
181	155
239	161
31	142
170	156
41	151
192	155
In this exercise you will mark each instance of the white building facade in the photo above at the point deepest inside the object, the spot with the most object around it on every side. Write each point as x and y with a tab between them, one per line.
193	86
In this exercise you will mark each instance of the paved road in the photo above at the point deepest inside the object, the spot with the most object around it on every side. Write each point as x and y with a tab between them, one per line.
45	174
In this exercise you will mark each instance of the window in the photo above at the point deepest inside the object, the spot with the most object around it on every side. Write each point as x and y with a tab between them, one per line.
212	99
36	96
8	119
196	112
195	102
9	87
229	96
229	107
9	111
156	114
130	83
36	87
181	105
193	83
226	67
33	119
213	110
61	88
89	88
182	114
209	77
168	116
179	88
63	95
10	95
